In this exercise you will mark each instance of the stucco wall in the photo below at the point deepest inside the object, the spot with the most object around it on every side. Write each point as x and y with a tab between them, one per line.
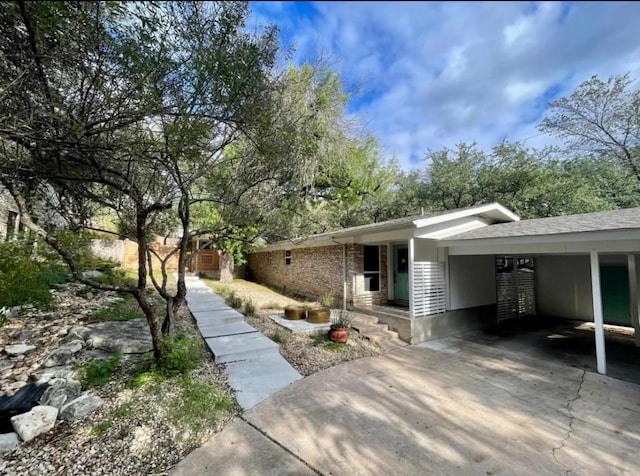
316	271
472	281
563	287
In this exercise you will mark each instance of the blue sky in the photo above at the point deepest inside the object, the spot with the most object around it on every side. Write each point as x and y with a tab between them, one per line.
430	75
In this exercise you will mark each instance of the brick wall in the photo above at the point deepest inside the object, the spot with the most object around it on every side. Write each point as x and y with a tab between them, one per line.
319	270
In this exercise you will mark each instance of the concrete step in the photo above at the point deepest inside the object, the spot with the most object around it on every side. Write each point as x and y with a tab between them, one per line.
371	329
258	378
364	319
240	347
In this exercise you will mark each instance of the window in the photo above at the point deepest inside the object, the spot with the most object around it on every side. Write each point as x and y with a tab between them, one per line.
372	268
287	257
11	225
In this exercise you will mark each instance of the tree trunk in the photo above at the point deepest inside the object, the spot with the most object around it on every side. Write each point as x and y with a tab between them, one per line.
156	335
226	267
168	318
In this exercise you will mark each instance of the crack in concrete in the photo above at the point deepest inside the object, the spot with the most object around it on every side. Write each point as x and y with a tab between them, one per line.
277	443
571	419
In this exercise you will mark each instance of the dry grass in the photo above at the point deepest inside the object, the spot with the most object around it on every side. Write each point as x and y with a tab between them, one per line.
262	296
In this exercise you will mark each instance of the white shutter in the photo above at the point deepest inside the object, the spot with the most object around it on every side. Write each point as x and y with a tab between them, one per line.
428	288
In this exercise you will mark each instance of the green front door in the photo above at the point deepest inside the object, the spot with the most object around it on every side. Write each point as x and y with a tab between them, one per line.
614	285
400	272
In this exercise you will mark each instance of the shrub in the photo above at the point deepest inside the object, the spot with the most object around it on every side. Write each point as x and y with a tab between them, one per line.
97	372
279	336
341	320
179	355
249	308
327	300
25	279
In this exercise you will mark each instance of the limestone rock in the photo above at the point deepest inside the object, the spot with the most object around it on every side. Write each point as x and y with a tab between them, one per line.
45	375
6	365
92	274
8	441
64	355
128	337
80	407
18	349
78	333
36	422
61	392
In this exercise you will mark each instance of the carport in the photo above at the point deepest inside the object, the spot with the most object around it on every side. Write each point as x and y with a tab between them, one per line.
578	267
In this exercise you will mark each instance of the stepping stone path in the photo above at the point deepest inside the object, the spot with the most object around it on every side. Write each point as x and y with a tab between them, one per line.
253	364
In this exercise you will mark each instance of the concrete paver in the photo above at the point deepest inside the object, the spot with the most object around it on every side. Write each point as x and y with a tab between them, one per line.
225	329
240	347
260	378
255	368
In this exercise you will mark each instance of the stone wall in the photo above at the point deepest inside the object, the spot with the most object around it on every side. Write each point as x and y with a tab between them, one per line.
315	271
6	205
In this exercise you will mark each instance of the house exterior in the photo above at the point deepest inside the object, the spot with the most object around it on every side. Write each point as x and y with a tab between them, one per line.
462	269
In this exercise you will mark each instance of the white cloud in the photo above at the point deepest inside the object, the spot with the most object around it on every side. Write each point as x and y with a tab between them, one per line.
435	74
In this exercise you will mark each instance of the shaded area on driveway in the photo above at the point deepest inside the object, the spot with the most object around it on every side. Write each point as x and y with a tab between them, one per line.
567	341
447	407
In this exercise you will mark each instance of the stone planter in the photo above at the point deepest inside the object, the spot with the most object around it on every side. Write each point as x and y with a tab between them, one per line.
339	334
294	313
319	316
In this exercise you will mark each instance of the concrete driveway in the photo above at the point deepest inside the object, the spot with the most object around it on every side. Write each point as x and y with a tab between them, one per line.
450	407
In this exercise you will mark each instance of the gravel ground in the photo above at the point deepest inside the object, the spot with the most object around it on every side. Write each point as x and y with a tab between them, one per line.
307	353
133	432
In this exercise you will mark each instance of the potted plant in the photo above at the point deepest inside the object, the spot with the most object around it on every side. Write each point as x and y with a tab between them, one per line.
340	325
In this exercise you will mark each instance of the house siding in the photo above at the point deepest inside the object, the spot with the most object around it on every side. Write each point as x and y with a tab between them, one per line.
318	270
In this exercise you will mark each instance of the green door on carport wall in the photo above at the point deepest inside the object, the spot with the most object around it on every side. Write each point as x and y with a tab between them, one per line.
614	285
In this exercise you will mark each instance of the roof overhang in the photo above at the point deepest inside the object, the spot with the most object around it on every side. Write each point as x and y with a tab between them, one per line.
430	227
620	240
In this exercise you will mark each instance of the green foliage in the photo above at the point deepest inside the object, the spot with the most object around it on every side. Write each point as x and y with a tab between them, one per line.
321	338
279	336
249	307
198	406
327	299
532	182
233	300
101	428
125	309
25	278
342	319
600	118
179	355
97	372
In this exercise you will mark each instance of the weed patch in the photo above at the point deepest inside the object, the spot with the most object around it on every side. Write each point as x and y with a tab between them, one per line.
180	354
124	310
249	308
98	372
199	405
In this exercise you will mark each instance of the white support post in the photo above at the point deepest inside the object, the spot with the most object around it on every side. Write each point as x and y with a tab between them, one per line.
344	277
598	319
390	287
633	297
411	297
